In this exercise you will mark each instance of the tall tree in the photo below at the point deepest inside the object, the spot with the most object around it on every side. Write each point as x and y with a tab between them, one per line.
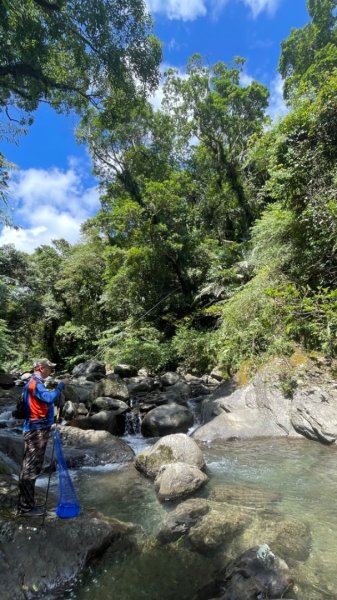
213	107
309	54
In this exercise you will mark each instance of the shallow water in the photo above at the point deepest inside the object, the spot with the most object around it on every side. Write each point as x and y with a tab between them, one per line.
304	476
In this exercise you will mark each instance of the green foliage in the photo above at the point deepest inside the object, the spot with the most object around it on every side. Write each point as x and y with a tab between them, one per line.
5	344
194	349
141	347
216	239
252	324
73	340
67	53
309	54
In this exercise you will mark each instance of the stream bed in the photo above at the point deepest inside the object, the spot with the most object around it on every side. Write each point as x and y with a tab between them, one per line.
303	474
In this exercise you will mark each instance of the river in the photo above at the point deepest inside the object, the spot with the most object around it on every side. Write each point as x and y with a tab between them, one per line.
303	474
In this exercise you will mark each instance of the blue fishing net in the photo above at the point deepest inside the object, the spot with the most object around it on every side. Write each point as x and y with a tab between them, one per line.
68	505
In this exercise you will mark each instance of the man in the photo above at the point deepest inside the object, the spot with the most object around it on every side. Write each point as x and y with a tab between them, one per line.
39	412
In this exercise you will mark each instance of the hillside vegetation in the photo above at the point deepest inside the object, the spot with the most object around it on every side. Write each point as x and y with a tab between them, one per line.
216	241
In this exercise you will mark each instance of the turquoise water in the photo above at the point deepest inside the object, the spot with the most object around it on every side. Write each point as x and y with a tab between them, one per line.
303	474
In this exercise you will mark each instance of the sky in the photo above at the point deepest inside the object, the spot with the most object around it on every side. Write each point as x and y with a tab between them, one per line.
52	190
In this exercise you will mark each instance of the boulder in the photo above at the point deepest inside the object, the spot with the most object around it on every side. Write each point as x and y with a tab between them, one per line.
88	368
167	419
110	404
101	421
125	371
141	385
173	448
72	394
217	529
179	521
279	401
314	414
169	378
92	448
6	381
259	409
245	423
40	562
178	480
112	388
82	388
256	573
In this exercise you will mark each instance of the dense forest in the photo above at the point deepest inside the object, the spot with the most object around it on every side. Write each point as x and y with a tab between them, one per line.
216	241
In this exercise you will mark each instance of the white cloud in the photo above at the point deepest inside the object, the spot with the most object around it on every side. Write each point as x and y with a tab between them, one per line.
246	79
185	10
50	204
258	6
189	10
277	107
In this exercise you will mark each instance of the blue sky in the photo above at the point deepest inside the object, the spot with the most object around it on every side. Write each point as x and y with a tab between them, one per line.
52	190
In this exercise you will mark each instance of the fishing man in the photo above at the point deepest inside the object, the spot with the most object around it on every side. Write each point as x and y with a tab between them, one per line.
39	412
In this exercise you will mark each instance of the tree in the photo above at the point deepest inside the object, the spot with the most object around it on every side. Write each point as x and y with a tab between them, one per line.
212	106
69	52
309	54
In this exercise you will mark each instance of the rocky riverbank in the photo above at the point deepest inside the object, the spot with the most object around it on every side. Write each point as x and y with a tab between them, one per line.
100	407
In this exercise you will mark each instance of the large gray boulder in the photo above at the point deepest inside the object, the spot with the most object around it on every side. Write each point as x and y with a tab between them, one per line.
167	419
245	423
104	420
125	370
40	562
178	480
79	391
314	413
169	378
173	448
112	388
92	448
260	409
278	402
110	404
89	367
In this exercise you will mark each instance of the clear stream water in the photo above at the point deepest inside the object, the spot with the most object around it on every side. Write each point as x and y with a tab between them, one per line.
303	473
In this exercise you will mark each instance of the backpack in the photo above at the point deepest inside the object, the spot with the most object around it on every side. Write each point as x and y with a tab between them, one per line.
20	410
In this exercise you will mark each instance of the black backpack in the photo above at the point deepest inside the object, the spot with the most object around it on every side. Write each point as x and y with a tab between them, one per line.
20	410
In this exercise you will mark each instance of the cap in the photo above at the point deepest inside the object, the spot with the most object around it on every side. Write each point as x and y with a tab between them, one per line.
45	362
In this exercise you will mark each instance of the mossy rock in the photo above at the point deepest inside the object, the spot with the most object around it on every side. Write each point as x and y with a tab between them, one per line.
150	463
177	447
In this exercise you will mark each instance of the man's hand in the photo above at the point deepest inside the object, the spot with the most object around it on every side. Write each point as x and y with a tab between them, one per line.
66	379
